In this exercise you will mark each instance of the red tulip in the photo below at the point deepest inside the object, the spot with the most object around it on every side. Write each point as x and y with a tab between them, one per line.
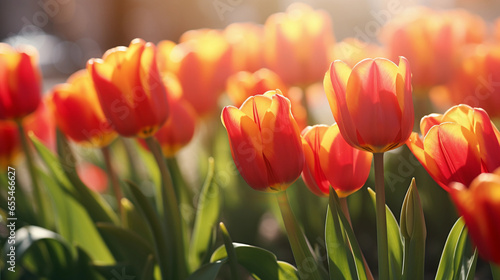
372	102
330	161
265	141
19	82
130	89
10	143
457	146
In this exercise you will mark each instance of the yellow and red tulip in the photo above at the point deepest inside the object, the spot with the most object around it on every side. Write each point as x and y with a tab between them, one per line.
20	92
78	114
247	45
298	44
457	146
265	141
479	205
330	161
372	102
130	90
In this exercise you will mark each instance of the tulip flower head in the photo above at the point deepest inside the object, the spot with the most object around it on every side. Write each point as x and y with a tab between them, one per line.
457	146
19	82
330	161
130	89
372	102
265	141
479	205
78	113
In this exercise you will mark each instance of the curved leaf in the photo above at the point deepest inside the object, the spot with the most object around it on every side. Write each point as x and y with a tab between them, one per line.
208	271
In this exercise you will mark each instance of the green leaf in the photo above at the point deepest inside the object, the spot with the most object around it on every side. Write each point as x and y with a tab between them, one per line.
207	215
127	247
471	267
453	263
149	268
208	271
260	263
68	179
162	252
394	241
135	222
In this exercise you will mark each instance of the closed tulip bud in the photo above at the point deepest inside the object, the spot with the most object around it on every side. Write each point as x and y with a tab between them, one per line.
457	146
130	90
265	141
372	102
330	161
19	82
78	113
479	204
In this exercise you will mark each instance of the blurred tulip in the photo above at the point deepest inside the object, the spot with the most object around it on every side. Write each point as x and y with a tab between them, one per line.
479	204
247	43
179	129
298	44
19	82
202	63
10	144
93	177
265	141
331	161
476	83
457	146
372	102
130	89
78	114
42	124
244	84
432	41
352	51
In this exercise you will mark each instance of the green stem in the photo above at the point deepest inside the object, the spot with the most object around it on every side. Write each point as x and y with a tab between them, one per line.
171	210
114	180
131	159
300	248
495	271
382	244
37	192
345	210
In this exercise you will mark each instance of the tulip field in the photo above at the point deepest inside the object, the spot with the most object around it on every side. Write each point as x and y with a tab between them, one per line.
271	151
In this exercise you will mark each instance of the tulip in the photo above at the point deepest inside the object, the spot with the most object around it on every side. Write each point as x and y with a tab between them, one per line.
432	41
372	102
247	44
42	124
479	205
202	63
298	44
244	84
10	145
330	161
130	90
93	177
352	51
265	141
457	146
76	108
19	82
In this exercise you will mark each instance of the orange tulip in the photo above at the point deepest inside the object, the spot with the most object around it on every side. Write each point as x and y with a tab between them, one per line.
372	102
130	90
265	141
244	84
247	44
457	146
330	161
10	143
298	44
202	63
479	204
432	41
476	83
76	109
19	82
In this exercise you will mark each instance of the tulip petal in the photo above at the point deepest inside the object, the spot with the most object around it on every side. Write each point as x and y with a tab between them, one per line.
429	121
405	99
313	174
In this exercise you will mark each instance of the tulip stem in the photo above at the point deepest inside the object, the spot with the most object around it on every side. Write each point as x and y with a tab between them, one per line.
131	159
171	211
495	271
37	192
345	210
114	180
382	243
300	247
